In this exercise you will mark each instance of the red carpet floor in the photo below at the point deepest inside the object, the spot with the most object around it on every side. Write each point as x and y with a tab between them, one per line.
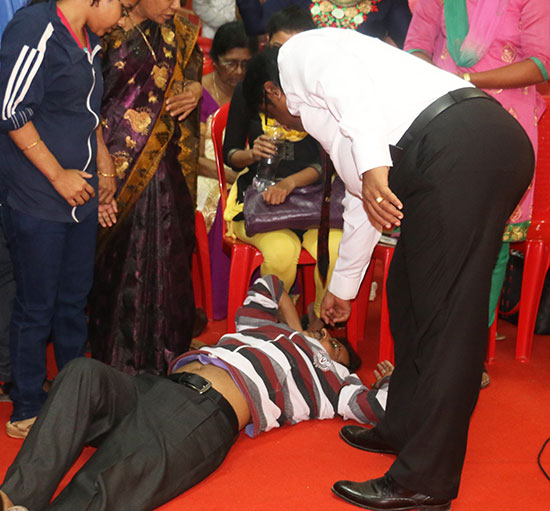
293	468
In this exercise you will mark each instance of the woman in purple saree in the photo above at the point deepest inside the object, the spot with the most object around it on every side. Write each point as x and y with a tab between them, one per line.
141	306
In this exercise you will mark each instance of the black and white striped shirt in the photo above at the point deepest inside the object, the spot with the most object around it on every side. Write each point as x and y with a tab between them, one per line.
285	376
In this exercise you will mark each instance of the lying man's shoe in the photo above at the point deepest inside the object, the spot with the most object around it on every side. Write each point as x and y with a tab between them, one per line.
366	439
384	494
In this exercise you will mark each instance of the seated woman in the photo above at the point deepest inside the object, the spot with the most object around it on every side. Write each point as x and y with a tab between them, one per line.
231	50
299	166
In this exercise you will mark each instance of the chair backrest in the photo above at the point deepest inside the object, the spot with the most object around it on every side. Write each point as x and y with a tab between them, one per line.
205	45
219	121
540	225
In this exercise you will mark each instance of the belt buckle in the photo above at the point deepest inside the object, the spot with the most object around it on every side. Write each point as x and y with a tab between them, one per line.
202	389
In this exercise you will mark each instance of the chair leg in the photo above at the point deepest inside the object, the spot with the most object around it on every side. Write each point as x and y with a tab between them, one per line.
200	268
238	281
386	340
308	285
355	327
537	262
244	261
491	345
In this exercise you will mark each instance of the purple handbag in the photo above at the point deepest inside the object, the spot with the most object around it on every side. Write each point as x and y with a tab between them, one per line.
301	210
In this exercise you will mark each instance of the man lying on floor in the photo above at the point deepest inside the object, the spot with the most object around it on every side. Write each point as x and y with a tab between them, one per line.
157	436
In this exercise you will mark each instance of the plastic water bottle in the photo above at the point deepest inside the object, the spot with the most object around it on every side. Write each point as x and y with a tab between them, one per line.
267	167
265	174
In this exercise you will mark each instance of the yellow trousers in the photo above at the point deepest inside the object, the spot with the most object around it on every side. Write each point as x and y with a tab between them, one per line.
281	251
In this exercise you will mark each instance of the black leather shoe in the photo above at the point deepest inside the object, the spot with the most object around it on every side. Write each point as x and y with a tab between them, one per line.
384	494
366	439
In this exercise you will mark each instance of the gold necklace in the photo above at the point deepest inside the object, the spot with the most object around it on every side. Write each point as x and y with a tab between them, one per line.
216	92
137	27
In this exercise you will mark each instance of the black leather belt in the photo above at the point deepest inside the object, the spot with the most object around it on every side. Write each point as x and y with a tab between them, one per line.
431	112
203	386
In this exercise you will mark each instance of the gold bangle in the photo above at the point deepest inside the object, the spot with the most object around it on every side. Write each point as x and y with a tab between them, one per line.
467	77
30	146
105	175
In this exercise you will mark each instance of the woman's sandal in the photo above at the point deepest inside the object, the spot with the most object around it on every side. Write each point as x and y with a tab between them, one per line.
485	379
19	429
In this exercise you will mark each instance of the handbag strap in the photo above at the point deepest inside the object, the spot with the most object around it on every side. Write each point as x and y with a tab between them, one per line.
323	255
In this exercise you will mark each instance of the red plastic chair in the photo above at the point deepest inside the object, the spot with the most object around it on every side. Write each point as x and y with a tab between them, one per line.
205	45
384	254
359	306
537	245
245	258
200	268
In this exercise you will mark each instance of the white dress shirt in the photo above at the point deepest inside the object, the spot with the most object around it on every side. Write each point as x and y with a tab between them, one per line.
356	95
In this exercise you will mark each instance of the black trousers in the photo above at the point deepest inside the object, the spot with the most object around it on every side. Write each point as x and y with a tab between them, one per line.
459	181
155	438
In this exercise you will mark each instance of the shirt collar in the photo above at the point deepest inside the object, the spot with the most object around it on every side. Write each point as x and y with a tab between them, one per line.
66	39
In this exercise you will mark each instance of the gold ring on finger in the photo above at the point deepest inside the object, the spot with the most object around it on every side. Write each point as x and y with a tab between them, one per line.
379	199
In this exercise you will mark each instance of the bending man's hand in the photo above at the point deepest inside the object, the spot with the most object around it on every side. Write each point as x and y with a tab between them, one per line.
335	310
381	204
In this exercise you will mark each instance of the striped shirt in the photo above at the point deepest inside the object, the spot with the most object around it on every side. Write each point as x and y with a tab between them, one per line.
285	376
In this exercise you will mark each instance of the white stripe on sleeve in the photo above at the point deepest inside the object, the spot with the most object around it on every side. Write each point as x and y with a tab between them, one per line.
13	76
41	49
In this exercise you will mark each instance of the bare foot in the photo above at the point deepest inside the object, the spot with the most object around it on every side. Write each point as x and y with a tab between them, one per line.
383	369
485	379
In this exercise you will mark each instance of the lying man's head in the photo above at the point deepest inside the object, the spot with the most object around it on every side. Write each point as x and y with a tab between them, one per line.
338	348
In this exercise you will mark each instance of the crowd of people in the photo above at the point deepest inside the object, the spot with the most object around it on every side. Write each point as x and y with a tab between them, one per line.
421	109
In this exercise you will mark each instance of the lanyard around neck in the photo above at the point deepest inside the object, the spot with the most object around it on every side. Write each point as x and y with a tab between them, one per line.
71	31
